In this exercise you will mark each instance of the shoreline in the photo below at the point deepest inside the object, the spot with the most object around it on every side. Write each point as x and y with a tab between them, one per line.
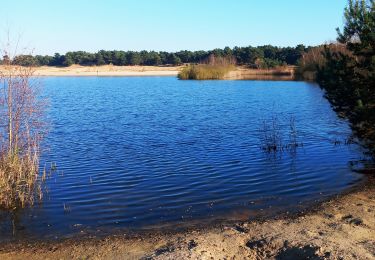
104	71
276	74
320	231
240	73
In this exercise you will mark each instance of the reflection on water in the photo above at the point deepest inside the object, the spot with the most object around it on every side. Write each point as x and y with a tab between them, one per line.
264	77
151	152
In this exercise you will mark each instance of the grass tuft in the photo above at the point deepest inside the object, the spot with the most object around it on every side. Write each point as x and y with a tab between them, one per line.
205	72
20	181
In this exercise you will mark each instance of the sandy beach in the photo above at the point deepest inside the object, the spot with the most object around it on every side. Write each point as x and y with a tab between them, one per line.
105	70
240	73
321	233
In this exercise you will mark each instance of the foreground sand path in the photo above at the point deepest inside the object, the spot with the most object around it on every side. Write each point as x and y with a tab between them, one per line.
343	228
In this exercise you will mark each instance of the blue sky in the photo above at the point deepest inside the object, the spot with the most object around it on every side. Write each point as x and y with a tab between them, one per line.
51	26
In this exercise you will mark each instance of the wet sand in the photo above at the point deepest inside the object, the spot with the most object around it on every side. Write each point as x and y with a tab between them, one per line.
342	228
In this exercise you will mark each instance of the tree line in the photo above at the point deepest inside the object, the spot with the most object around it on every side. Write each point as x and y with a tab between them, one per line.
266	56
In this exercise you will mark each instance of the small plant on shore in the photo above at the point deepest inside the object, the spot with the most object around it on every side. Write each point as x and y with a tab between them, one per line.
212	68
21	130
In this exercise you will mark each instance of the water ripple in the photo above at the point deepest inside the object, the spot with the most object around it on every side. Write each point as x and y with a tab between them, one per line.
138	152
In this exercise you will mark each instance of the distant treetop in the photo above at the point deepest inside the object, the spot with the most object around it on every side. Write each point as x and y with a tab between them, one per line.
266	56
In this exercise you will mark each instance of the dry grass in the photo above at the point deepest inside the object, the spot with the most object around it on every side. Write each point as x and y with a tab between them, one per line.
205	71
22	127
314	60
279	73
211	68
20	181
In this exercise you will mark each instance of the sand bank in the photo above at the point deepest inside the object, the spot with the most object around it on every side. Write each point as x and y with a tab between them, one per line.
106	70
240	73
343	228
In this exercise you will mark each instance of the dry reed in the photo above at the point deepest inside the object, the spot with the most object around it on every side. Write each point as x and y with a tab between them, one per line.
210	69
22	128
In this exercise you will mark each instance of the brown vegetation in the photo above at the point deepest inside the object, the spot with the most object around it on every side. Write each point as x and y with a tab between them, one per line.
21	131
278	73
212	68
315	59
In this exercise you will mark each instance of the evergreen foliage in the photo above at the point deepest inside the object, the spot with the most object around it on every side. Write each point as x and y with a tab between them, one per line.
258	57
348	76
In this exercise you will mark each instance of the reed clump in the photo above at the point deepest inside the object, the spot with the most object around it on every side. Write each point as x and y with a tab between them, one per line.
22	128
273	135
20	181
204	72
210	69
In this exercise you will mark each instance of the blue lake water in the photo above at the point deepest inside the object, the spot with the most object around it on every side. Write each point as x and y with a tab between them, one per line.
144	152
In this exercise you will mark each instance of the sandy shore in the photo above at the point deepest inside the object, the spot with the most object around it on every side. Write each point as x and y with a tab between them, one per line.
343	228
240	73
106	70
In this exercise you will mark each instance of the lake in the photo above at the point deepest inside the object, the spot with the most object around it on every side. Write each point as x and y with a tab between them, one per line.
136	153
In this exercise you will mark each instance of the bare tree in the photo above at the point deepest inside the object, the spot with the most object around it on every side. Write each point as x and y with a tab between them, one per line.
22	128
